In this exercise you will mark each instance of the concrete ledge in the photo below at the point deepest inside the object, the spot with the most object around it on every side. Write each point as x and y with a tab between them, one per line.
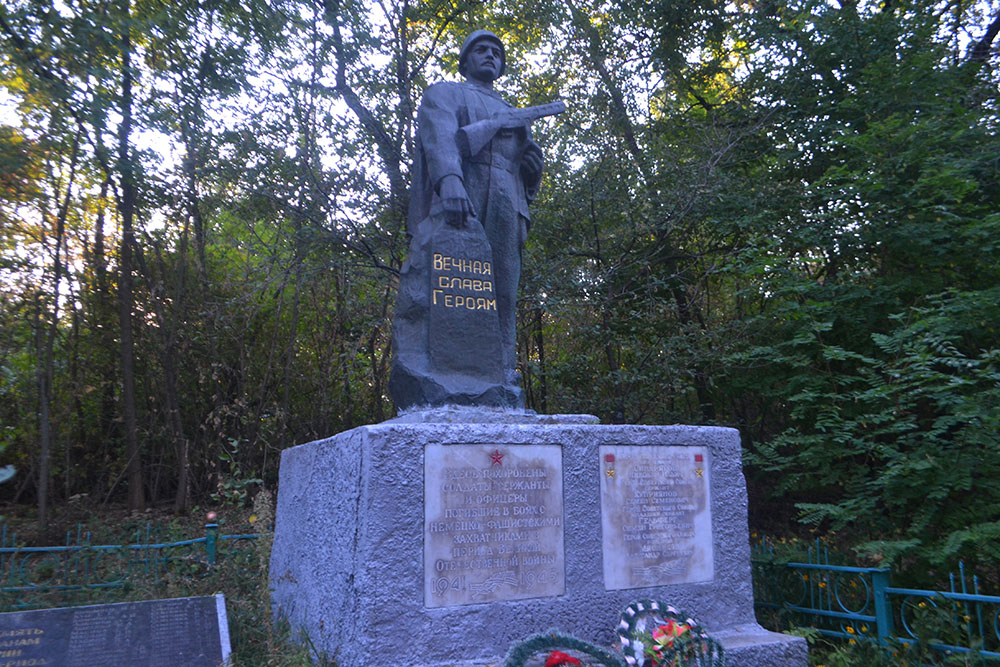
460	414
747	645
750	645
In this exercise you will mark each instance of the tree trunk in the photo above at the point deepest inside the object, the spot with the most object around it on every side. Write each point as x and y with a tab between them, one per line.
46	362
127	205
45	421
102	315
182	498
176	426
540	346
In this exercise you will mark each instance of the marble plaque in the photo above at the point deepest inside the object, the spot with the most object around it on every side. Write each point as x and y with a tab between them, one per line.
493	523
656	515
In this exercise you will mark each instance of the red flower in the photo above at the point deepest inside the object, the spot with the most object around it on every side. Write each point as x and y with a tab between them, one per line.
665	635
557	658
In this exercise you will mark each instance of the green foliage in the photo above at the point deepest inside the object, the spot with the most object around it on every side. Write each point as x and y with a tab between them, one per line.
932	625
776	216
902	443
234	485
872	354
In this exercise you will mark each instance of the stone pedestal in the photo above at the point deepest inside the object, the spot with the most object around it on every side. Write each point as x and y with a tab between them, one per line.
442	537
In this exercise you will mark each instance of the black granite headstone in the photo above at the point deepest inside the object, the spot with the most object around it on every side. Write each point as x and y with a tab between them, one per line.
188	632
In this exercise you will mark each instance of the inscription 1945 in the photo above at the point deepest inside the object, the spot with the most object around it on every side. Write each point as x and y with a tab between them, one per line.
493	525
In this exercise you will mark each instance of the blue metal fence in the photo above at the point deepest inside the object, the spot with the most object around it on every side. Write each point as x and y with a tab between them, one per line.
26	573
860	603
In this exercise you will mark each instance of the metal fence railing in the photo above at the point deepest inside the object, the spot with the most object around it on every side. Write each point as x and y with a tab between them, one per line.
838	601
860	603
26	572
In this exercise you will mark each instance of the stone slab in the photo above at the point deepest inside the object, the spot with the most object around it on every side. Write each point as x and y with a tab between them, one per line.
347	562
463	327
492	523
159	633
750	645
656	515
446	330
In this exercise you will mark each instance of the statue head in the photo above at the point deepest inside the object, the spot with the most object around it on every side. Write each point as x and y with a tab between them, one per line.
470	42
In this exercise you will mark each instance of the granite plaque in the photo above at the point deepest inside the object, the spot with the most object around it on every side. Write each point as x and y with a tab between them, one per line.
158	633
656	515
493	523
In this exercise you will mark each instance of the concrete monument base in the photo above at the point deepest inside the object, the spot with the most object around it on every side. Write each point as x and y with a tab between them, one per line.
442	537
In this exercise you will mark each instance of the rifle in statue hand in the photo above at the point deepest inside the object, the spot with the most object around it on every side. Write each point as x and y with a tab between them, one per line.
474	136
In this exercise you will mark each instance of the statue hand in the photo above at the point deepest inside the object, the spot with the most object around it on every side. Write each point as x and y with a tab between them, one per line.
531	163
455	201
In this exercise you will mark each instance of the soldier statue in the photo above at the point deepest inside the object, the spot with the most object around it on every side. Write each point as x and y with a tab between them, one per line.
475	166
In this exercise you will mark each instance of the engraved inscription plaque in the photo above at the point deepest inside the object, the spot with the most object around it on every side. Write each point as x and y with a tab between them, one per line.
655	515
157	633
493	523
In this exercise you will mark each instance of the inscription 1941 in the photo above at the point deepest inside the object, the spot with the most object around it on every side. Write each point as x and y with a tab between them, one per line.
656	515
493	524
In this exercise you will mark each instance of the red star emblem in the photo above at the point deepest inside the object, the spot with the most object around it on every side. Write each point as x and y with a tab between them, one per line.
497	457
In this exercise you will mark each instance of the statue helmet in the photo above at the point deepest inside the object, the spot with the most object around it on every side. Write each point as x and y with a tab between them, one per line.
470	41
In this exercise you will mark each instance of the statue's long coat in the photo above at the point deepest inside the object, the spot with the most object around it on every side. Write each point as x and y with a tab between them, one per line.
492	178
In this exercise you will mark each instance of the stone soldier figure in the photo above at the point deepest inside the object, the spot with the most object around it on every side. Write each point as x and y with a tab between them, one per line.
475	165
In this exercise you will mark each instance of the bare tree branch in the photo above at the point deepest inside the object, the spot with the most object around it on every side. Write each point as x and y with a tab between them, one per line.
981	51
388	150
